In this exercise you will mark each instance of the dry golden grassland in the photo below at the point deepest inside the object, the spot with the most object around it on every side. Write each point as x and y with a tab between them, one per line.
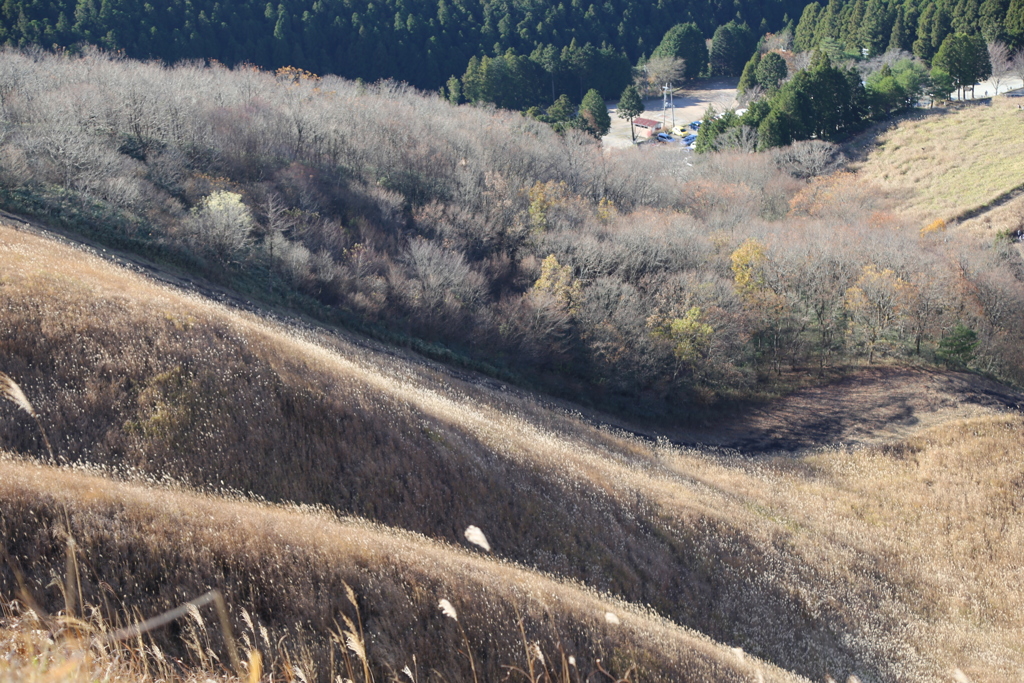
892	563
1004	218
949	161
290	565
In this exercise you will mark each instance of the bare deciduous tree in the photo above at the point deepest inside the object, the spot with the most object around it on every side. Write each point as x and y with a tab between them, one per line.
999	56
1017	64
658	72
809	158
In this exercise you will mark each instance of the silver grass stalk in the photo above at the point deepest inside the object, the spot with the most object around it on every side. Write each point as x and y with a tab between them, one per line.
13	393
447	609
475	536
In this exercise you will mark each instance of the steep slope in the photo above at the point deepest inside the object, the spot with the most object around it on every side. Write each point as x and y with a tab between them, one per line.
941	164
144	380
289	569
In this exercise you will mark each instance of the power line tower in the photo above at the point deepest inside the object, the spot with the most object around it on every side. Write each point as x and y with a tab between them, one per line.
668	101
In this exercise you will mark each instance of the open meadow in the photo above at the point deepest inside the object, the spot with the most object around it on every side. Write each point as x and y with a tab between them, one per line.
940	163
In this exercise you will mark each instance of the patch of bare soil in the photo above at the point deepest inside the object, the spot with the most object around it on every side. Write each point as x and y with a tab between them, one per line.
869	405
691	101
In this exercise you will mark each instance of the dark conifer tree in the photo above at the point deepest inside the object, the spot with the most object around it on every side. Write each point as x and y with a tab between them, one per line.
804	38
731	47
748	79
686	42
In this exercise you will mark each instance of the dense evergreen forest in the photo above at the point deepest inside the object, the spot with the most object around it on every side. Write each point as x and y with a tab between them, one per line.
421	42
514	54
920	27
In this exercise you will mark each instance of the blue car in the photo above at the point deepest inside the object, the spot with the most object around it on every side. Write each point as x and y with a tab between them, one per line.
689	139
695	125
664	137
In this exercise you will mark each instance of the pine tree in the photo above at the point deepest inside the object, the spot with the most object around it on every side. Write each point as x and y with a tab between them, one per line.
550	59
852	27
594	114
899	39
991	17
771	71
957	348
774	131
807	28
1014	23
828	24
562	110
730	48
940	28
630	106
454	93
965	59
923	45
472	81
964	18
686	42
748	79
875	31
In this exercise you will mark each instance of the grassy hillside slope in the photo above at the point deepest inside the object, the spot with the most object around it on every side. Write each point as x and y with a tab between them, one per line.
288	568
948	161
142	379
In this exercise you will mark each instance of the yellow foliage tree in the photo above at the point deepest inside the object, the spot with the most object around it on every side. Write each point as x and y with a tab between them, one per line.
874	303
606	210
748	268
542	197
690	335
557	281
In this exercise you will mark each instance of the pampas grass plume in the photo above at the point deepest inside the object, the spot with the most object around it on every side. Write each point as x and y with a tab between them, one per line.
10	389
448	609
255	666
475	536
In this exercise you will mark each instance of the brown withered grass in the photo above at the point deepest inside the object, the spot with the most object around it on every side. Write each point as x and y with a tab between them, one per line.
787	558
289	568
941	165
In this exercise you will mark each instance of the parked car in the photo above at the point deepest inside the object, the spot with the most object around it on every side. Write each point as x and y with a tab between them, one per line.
664	137
695	125
689	139
679	130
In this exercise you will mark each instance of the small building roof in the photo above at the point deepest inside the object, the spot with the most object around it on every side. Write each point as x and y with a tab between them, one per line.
649	123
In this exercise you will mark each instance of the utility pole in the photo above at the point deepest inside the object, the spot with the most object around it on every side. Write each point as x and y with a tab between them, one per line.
668	100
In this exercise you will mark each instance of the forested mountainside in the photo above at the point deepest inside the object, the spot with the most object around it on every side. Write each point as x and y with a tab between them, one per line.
646	283
421	42
909	25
